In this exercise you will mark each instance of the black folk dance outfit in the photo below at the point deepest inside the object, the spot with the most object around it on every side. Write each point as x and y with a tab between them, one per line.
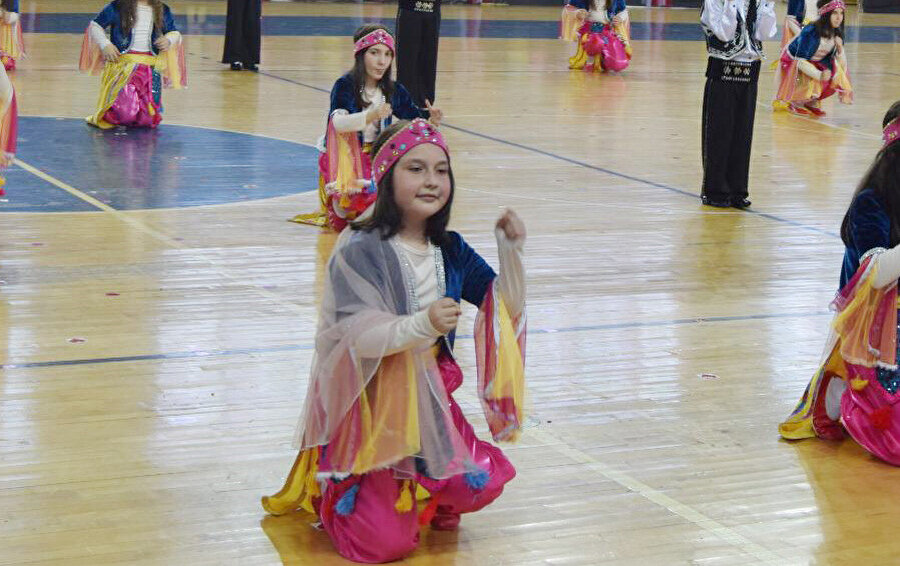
734	32
418	31
242	33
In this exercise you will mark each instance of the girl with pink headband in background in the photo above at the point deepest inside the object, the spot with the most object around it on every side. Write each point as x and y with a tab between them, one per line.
363	102
380	428
813	64
857	387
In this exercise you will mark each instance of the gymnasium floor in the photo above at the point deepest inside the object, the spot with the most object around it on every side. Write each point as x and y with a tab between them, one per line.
158	312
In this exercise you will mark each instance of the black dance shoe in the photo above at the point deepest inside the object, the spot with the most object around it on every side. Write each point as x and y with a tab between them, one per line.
236	66
713	202
741	203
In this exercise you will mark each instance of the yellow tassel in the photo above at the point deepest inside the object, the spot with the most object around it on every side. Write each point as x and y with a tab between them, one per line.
858	384
404	502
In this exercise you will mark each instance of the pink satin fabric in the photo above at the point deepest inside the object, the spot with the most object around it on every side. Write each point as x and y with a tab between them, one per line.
359	201
374	532
455	495
872	415
132	105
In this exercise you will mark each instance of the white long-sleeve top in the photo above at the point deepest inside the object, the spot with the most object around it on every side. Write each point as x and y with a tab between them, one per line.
356	122
416	330
599	16
141	33
721	19
888	266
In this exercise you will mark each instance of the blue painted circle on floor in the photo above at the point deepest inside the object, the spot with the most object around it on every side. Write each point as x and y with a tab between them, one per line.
169	167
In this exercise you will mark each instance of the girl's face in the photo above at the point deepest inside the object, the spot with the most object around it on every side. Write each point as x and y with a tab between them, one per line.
837	18
421	183
377	60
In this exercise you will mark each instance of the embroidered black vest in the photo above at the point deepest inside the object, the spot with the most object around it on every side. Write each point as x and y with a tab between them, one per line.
743	33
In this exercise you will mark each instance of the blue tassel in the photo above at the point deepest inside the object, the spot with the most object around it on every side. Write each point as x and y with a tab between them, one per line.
347	502
476	480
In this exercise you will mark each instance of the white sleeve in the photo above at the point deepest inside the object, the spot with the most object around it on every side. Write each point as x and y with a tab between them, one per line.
402	334
11	17
720	18
809	69
766	24
174	37
345	122
511	280
888	264
98	35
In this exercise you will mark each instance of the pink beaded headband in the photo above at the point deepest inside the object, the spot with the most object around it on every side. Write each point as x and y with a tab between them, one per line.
374	38
891	132
419	131
831	7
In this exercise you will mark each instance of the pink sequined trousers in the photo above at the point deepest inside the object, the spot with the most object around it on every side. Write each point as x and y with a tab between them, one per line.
872	415
375	532
133	103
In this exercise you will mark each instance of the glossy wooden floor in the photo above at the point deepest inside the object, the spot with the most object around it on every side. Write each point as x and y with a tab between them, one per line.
151	441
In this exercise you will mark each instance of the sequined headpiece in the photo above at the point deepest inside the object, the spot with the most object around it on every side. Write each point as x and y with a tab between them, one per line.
891	132
374	38
419	131
831	7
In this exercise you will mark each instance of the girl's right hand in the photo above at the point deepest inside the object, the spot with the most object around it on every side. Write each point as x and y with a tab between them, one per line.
444	315
110	53
380	112
826	75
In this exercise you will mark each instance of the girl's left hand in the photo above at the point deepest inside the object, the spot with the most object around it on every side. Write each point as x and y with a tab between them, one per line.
162	43
512	226
434	114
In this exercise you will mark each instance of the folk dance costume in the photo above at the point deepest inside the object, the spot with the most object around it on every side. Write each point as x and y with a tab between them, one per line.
418	31
857	383
571	21
9	120
802	85
380	422
793	22
604	34
734	32
345	166
131	87
12	46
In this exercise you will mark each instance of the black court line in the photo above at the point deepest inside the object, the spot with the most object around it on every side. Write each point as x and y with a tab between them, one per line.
670	188
301	347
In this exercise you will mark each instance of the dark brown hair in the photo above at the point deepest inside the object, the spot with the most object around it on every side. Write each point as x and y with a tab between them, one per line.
823	24
358	72
387	218
128	14
883	177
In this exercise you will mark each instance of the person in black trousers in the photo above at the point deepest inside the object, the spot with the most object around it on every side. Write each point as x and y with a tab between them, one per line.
242	33
418	30
734	32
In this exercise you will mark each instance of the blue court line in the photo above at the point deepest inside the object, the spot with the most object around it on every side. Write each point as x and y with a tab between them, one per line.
559	157
300	347
344	26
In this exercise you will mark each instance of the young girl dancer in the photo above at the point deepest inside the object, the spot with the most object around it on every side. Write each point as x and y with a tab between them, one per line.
362	104
380	418
143	53
12	46
813	65
604	35
9	119
857	384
